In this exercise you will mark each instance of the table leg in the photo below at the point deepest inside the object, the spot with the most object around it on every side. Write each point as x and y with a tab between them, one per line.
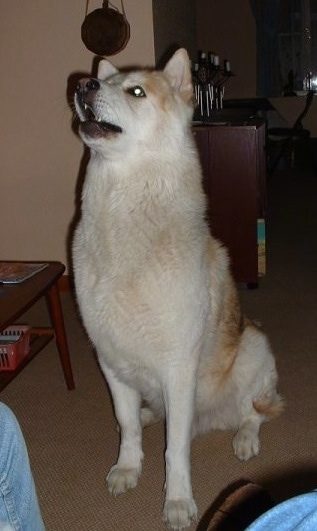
55	308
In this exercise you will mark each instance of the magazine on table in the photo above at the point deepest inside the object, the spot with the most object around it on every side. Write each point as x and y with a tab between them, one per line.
16	272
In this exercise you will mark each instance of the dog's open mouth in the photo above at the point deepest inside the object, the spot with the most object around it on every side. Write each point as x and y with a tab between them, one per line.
93	125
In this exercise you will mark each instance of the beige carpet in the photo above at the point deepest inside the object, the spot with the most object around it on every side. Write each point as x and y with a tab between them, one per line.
72	438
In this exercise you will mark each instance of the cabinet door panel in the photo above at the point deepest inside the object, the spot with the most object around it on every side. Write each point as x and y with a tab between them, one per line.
232	163
232	175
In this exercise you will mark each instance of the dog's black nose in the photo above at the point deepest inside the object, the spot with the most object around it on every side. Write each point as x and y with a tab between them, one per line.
86	85
93	84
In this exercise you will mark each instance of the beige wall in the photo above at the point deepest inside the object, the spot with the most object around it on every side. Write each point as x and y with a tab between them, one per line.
228	28
40	46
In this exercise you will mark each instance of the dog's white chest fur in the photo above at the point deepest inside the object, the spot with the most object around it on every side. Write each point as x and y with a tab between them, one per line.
141	274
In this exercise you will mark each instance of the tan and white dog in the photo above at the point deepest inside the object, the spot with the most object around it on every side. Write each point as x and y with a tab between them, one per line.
154	288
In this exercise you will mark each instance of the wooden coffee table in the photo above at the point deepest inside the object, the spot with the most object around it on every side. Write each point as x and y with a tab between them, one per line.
15	299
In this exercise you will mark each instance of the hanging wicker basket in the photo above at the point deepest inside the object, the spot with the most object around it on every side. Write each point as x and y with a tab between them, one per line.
105	31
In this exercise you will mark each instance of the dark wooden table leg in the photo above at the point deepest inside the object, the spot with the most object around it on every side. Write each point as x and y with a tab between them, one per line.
55	308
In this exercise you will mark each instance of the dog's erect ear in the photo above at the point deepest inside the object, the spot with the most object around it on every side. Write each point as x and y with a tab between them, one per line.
106	69
179	74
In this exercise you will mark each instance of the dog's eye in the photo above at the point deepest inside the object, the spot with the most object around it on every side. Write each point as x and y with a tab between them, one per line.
136	91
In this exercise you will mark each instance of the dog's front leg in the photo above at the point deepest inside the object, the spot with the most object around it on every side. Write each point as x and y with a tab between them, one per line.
179	507
125	473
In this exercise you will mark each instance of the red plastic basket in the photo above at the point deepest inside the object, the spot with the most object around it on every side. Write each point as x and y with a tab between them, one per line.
14	346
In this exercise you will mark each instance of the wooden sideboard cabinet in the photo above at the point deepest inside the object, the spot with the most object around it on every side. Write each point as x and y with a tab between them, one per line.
234	177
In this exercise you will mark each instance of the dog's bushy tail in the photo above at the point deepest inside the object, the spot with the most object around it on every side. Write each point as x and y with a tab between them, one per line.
269	406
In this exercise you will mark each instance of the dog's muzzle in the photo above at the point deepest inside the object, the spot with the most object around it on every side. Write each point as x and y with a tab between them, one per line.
91	123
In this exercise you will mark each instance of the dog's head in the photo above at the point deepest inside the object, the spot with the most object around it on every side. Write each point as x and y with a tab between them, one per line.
134	108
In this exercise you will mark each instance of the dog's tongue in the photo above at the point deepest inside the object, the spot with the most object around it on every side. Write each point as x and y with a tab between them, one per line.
95	128
110	127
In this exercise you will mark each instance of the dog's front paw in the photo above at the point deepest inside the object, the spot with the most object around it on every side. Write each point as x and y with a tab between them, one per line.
119	480
178	514
246	444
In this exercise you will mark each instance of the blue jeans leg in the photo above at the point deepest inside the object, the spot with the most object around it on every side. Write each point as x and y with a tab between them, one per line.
19	507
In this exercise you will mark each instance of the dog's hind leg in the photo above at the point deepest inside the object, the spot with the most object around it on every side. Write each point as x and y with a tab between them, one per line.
148	417
246	442
125	473
255	375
